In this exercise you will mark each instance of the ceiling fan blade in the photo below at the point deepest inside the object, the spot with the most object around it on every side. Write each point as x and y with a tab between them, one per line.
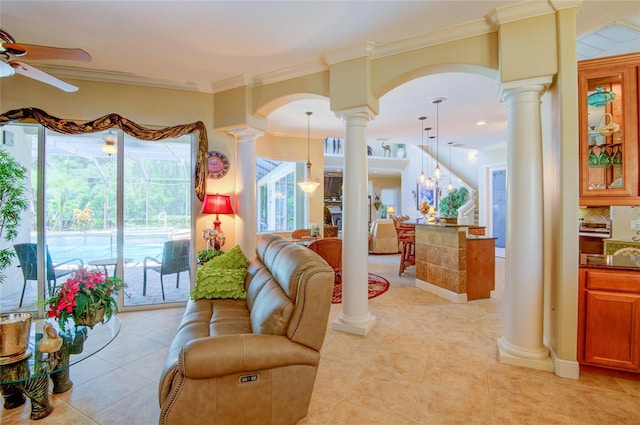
35	52
31	72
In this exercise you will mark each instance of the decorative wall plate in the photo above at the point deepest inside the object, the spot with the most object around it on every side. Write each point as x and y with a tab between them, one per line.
217	165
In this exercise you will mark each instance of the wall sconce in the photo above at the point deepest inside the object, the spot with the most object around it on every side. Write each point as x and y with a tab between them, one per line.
215	204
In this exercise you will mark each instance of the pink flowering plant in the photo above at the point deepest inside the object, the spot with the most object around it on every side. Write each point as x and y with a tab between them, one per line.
83	294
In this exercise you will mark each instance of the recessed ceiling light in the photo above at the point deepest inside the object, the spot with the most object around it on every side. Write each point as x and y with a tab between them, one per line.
481	123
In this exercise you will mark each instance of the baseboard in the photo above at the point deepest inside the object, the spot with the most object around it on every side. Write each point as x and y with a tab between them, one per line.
454	297
564	368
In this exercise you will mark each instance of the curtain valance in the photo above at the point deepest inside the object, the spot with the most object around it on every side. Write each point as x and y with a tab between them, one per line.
131	128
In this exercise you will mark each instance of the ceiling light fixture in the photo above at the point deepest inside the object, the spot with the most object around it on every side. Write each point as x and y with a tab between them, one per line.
437	173
309	185
109	146
421	178
450	186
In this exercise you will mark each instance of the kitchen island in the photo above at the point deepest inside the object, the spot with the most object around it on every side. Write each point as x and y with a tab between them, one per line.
456	262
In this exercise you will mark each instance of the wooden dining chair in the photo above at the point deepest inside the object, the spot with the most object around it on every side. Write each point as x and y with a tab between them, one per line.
301	233
330	249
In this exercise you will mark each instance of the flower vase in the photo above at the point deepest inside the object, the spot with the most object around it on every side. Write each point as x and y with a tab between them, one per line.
91	319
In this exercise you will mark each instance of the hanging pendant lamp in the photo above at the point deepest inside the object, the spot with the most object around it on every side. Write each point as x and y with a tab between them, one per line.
450	185
422	178
437	173
429	181
309	185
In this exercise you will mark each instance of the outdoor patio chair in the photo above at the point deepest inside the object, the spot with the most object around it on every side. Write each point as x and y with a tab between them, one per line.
175	259
27	256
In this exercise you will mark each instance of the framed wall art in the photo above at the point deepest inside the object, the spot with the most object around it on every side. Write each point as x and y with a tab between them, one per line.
425	194
217	165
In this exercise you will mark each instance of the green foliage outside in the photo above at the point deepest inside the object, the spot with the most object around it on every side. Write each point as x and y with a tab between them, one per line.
12	203
449	205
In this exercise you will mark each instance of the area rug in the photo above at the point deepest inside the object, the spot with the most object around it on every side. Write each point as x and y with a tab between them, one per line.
378	285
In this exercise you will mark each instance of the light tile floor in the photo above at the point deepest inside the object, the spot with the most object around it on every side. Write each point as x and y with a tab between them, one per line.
427	361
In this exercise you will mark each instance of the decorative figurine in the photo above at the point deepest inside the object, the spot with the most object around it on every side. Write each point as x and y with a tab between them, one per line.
50	342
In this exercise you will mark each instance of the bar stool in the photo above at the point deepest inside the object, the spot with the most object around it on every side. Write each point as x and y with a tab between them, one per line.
407	237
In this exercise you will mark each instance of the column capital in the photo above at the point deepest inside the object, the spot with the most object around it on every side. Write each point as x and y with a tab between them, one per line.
244	132
538	84
358	112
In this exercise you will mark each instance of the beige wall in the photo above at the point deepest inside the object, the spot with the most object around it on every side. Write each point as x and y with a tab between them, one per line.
520	50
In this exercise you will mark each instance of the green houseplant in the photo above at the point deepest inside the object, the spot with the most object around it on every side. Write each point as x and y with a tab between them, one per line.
449	205
12	203
87	297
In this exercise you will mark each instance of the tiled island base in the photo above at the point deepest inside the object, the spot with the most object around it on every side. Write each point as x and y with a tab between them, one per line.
452	264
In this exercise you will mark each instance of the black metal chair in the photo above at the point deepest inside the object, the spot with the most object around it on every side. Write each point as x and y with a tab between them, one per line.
27	256
175	259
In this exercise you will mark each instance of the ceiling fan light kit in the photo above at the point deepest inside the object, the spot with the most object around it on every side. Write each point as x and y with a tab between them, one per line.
10	50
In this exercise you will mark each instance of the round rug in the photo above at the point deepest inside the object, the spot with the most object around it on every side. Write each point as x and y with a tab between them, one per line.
378	285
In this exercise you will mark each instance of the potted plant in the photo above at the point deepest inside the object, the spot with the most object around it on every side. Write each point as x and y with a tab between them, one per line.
87	297
449	205
15	327
207	254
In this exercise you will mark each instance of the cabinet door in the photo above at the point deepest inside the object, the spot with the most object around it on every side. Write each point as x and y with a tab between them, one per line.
612	330
608	130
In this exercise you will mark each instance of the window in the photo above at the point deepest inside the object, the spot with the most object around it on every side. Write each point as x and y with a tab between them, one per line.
280	205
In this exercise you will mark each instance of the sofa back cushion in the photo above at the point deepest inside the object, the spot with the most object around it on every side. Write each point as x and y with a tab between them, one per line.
289	286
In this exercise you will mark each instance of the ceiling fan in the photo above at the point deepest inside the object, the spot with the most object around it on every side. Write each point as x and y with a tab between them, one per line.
9	50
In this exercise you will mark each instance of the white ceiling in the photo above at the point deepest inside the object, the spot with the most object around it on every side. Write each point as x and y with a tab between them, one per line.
209	45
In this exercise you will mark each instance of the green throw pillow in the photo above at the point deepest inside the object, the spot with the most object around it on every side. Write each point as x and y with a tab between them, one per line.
214	283
232	259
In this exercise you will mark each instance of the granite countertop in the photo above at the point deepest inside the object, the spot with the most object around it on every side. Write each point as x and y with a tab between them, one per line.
620	262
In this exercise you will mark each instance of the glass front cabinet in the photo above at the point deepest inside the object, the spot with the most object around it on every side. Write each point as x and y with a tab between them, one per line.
608	94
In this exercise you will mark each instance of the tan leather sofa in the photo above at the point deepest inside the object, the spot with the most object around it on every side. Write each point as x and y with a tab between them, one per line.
253	361
384	238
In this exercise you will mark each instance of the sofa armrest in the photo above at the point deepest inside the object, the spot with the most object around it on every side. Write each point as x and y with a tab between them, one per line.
215	356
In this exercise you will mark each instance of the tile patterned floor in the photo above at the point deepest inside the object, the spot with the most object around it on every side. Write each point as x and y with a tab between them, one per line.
427	361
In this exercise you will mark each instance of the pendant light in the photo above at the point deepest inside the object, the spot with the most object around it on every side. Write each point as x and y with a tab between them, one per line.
450	186
429	182
309	185
109	146
422	178
437	173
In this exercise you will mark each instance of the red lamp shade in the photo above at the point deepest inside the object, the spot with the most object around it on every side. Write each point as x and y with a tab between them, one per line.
216	204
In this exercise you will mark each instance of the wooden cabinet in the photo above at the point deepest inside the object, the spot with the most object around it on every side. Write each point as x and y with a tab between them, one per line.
608	93
609	319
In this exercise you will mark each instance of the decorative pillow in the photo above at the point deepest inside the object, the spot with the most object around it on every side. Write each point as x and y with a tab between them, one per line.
214	283
232	259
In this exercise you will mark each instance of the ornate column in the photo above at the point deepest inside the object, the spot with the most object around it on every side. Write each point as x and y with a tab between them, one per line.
355	317
522	343
245	207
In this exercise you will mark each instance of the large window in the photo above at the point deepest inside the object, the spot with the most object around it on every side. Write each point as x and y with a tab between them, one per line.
109	210
281	204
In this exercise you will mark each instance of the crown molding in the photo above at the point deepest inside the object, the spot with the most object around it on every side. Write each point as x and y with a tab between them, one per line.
444	35
230	83
289	73
368	49
518	11
119	78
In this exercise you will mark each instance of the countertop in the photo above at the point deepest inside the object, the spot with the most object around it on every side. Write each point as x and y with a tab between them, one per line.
618	262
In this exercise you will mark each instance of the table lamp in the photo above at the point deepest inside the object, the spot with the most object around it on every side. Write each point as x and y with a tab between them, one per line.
390	210
216	204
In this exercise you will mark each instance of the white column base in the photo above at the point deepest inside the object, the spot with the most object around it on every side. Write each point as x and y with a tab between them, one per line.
538	359
448	295
565	368
344	324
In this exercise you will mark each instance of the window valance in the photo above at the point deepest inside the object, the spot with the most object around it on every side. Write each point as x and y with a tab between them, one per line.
131	128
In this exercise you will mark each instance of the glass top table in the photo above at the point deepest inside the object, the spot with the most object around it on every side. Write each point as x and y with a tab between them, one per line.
29	376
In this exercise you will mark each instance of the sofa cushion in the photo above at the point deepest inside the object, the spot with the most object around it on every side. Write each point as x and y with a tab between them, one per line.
232	259
212	282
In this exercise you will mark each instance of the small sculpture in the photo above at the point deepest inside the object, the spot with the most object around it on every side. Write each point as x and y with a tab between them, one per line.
50	342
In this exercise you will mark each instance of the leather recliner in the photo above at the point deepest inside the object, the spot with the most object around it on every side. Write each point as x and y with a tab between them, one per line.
253	361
